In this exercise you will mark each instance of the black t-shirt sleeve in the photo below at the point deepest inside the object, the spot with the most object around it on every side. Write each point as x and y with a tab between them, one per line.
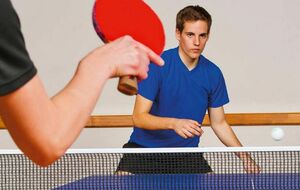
16	67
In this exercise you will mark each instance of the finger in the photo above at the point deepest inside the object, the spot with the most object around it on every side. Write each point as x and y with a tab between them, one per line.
188	133
192	129
256	168
180	133
196	123
143	66
253	170
197	128
152	55
201	132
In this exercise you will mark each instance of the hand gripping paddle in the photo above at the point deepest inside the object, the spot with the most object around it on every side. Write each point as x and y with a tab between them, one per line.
115	18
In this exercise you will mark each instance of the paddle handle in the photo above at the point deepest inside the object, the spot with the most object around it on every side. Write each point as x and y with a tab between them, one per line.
128	85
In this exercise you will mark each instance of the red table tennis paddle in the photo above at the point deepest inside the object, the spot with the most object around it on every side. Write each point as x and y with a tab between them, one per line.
115	18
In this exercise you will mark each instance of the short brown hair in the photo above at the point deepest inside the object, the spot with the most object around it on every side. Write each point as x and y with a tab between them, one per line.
192	13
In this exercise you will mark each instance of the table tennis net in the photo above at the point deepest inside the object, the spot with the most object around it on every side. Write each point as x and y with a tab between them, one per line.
173	168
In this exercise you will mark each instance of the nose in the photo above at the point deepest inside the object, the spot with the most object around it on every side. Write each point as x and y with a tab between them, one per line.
197	41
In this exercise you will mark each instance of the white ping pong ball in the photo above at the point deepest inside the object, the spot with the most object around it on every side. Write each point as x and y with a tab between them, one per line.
277	133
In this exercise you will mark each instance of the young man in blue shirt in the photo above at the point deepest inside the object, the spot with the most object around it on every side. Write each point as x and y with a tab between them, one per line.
172	101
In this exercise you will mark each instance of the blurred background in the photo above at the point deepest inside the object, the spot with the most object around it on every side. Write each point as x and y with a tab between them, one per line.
255	43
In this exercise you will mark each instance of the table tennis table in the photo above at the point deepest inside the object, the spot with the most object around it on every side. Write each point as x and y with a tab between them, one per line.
188	182
98	169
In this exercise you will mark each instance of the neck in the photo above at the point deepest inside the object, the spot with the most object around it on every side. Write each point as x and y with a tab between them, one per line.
189	62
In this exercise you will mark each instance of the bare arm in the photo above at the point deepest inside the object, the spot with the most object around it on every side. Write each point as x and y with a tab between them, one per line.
44	128
142	118
221	128
227	136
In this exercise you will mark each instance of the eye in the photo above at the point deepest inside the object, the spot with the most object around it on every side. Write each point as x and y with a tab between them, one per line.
203	36
190	35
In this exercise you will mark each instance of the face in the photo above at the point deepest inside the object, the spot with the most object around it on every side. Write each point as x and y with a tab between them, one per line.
192	39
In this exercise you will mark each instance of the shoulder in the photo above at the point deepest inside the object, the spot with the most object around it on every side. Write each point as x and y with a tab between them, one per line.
168	56
212	69
16	66
213	72
10	29
7	14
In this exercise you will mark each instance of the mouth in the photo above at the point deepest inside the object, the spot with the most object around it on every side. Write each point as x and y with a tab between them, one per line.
195	50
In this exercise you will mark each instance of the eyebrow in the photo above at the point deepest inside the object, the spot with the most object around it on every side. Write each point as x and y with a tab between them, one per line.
201	34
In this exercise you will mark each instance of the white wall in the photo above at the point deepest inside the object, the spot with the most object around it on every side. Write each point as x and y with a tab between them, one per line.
255	43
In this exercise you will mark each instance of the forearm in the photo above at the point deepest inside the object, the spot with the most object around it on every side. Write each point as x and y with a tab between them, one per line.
151	122
228	138
44	128
226	135
75	103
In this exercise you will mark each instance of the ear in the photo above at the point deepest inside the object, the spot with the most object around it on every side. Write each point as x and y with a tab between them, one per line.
177	33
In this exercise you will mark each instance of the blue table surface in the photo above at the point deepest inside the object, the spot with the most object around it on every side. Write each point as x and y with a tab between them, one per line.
288	181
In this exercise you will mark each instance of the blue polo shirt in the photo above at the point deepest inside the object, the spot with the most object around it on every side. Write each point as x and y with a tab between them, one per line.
179	93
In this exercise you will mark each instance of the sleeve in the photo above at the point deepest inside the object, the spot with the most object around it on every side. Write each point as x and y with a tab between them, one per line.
149	87
16	67
218	96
